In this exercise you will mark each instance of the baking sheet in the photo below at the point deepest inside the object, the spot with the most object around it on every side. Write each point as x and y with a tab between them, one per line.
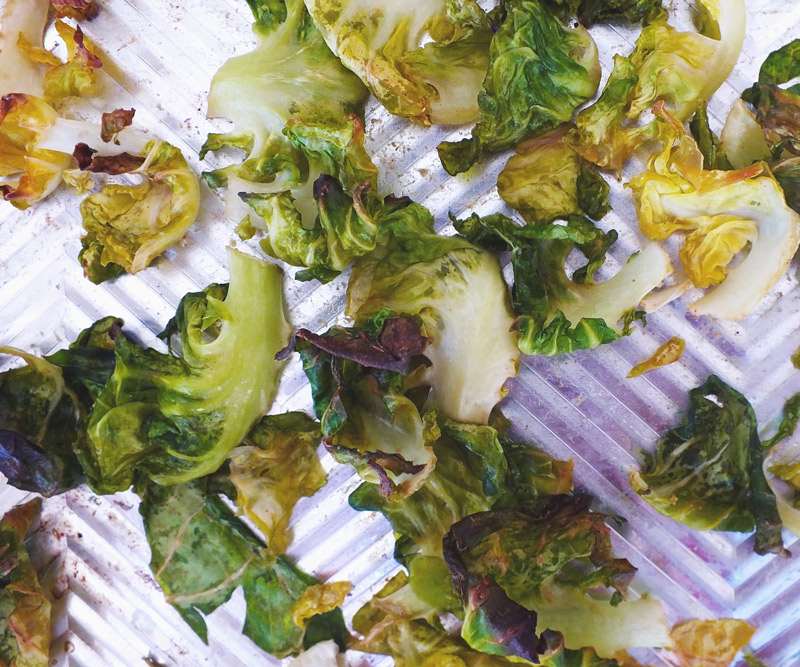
160	57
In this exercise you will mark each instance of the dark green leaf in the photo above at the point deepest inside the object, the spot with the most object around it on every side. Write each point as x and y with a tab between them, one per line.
41	421
788	424
543	293
707	473
201	553
787	173
781	65
540	71
619	11
592	191
708	142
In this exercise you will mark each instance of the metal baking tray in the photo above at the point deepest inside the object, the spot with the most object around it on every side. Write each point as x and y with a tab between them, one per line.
91	551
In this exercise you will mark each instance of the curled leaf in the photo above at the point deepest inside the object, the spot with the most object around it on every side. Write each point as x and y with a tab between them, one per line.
701	643
114	122
113	165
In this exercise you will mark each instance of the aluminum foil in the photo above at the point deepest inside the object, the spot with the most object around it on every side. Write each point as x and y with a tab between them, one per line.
91	551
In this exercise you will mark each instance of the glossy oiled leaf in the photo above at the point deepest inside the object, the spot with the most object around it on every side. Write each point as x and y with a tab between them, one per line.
359	397
177	417
558	313
24	609
445	281
513	603
540	71
201	553
707	472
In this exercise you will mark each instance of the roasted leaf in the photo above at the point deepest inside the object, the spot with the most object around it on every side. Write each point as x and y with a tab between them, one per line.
510	597
78	75
703	643
130	225
423	61
389	626
558	313
76	9
707	473
681	69
201	553
540	71
297	114
273	468
445	282
180	416
365	416
720	213
41	420
667	353
547	180
114	122
24	609
713	155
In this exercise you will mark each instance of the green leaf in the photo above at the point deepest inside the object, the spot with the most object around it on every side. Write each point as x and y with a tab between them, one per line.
788	423
267	13
421	60
713	155
128	226
619	11
781	65
358	388
297	114
445	281
547	180
201	553
592	191
41	420
540	71
515	604
389	627
24	608
176	418
682	69
707	473
558	313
